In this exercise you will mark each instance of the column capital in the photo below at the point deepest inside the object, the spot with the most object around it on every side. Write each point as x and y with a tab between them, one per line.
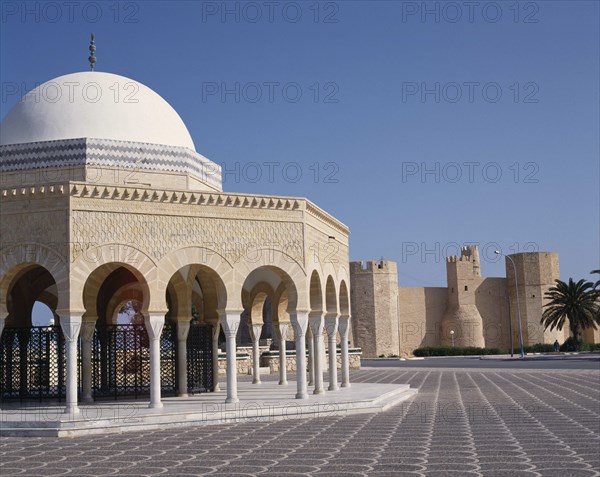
154	324
281	330
344	324
183	329
299	321
187	318
70	324
255	329
69	312
316	323
230	321
88	326
331	323
89	318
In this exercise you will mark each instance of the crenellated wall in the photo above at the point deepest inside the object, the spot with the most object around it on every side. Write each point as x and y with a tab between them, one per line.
480	311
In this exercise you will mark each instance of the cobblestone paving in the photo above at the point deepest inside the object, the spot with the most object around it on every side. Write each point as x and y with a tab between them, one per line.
462	423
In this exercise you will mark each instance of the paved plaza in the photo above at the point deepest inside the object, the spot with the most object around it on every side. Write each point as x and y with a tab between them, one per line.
463	422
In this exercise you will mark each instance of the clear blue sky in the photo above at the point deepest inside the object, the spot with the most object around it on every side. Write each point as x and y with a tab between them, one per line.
361	120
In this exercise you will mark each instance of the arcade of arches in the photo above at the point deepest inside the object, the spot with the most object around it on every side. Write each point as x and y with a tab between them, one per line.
106	207
211	297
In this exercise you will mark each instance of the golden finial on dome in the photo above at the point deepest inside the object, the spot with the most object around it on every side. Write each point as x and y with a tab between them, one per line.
92	57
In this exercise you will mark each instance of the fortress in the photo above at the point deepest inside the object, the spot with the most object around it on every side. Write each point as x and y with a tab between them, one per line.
480	311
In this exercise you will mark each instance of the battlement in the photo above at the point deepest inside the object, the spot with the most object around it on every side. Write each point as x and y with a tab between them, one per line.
468	254
373	266
454	258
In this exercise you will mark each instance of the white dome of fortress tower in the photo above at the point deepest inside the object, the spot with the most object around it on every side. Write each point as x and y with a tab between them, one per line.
94	105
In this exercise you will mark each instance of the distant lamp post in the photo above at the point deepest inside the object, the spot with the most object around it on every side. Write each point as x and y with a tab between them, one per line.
497	252
452	336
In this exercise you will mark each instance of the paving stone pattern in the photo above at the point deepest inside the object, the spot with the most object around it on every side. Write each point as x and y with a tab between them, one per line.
462	423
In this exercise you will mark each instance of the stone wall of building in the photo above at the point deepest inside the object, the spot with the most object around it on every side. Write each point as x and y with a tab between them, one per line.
420	314
374	298
481	311
491	300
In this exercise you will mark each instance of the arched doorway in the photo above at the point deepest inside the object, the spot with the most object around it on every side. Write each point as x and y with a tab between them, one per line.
32	353
194	294
115	298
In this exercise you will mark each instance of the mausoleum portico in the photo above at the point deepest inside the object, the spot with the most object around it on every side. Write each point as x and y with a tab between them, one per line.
106	202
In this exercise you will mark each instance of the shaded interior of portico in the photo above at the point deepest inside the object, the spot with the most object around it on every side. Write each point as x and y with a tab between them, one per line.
32	284
195	294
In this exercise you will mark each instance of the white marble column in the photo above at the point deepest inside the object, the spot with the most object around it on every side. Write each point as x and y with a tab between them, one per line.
281	332
255	330
88	325
215	353
183	329
230	322
311	358
316	327
154	325
71	325
299	321
343	326
331	326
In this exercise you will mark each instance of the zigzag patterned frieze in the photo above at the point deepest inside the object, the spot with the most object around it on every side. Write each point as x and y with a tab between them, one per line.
108	153
41	154
146	162
52	146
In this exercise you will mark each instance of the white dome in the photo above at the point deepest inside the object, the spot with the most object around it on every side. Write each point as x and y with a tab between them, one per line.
94	105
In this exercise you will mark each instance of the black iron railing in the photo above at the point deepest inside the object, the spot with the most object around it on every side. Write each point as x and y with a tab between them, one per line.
32	363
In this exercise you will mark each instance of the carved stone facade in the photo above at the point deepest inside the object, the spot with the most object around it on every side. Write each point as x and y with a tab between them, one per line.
103	222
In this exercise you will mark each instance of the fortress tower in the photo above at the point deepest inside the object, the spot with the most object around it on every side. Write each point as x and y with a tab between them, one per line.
536	273
462	316
374	295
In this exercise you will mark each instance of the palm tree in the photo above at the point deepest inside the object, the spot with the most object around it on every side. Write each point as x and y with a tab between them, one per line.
575	302
597	284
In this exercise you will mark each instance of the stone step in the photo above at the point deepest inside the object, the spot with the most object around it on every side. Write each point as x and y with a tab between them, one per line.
262	402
